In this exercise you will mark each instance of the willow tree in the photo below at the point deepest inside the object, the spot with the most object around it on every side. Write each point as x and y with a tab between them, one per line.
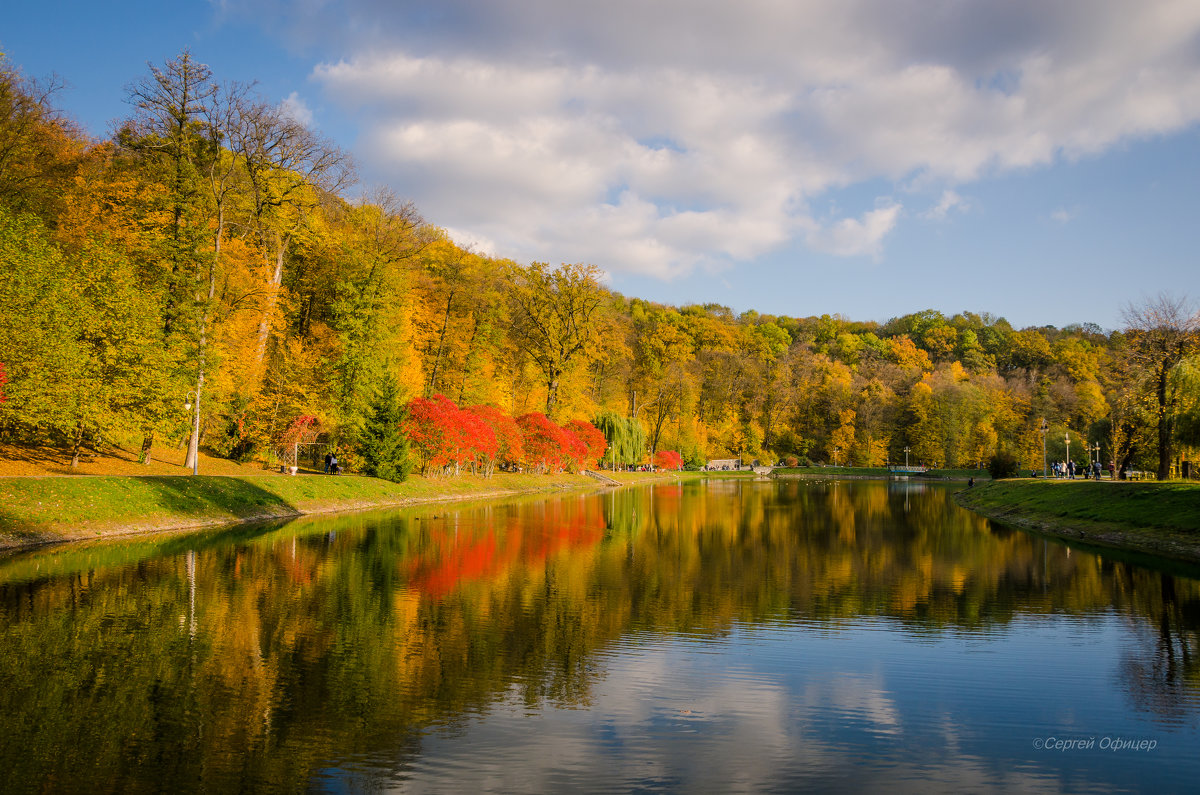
1161	333
625	436
555	318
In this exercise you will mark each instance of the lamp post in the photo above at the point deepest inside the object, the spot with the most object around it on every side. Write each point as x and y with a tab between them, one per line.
836	450
1044	429
906	449
1067	439
193	453
1096	460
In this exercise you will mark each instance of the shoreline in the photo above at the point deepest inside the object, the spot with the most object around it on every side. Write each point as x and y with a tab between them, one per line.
1159	519
49	511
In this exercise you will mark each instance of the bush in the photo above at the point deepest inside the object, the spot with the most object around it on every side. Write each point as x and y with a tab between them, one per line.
1003	465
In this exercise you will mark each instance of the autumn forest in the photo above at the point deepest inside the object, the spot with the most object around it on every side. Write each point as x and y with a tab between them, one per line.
214	252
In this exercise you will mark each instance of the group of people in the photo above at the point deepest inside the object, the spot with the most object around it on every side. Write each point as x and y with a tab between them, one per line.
331	464
1071	470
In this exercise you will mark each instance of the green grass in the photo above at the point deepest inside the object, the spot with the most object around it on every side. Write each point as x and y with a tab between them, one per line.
38	510
1162	518
1171	505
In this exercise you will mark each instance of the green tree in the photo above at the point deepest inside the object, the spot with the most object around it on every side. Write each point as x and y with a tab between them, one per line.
84	357
383	446
1162	332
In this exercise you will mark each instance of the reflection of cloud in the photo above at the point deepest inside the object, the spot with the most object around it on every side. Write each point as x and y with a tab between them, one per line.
857	698
689	716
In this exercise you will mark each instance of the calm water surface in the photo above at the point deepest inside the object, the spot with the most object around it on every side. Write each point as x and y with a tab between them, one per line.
706	637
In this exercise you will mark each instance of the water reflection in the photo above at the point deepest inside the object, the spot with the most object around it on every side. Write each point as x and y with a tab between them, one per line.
713	636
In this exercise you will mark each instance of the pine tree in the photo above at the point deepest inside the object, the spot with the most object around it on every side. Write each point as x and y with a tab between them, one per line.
384	447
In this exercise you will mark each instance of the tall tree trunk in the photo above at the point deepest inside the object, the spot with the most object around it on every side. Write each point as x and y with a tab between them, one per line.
264	326
77	445
437	359
191	461
1164	424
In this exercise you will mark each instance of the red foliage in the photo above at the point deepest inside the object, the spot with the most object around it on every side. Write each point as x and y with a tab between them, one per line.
547	448
468	552
592	438
668	459
510	449
447	437
432	428
299	427
480	446
574	453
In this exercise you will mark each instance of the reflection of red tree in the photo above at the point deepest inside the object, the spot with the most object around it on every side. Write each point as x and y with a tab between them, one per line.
667	497
457	555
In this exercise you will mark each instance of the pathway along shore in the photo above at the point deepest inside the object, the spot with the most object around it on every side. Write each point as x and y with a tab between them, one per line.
1156	518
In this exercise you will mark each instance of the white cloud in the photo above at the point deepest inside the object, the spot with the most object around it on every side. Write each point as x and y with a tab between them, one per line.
1064	215
950	200
851	237
696	134
296	108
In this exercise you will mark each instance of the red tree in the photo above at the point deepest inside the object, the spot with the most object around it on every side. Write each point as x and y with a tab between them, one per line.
592	438
434	431
668	459
479	444
510	446
546	445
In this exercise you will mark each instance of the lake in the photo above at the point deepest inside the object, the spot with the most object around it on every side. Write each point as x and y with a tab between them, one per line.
698	637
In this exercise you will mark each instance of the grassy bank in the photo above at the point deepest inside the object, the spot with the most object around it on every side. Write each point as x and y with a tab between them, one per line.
1159	518
53	509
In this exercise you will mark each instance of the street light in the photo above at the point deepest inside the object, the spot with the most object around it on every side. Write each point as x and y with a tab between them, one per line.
836	450
1096	460
906	449
1067	439
1044	429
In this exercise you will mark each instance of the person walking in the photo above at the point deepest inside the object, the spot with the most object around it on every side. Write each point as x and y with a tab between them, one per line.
328	460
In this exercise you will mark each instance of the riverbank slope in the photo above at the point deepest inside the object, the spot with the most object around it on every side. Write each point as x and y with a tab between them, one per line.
1158	518
46	510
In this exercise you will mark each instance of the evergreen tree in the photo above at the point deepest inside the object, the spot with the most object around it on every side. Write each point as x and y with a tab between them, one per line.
384	447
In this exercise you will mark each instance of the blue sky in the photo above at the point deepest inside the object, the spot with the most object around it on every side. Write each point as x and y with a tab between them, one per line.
1037	161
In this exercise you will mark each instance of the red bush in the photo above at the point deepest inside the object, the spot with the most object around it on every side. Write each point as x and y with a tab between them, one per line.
510	448
668	459
547	448
592	438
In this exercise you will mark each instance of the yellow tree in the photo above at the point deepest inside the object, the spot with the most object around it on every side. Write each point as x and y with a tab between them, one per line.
555	319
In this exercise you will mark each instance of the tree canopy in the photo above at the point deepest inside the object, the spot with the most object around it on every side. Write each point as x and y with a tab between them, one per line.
211	249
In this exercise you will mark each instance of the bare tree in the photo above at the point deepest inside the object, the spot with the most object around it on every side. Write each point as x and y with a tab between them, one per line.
1161	332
